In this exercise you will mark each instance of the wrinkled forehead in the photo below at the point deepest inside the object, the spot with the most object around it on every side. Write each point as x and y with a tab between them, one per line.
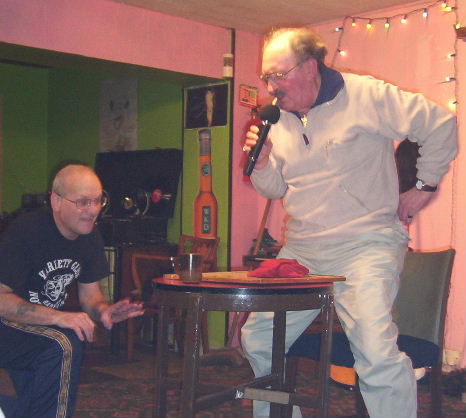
277	55
84	184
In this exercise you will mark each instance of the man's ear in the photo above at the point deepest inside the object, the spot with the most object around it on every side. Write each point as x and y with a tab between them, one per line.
54	201
312	67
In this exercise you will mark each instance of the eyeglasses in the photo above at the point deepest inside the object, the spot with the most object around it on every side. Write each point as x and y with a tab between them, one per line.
277	76
84	203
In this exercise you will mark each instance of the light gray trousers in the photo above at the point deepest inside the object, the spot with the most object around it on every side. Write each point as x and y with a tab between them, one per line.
371	264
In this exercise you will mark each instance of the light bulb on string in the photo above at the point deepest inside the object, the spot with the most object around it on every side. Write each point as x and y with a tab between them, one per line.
404	19
446	7
452	104
425	14
387	24
339	29
369	24
341	52
451	55
353	23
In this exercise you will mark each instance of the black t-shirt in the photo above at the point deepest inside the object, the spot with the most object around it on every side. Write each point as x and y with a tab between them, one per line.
40	264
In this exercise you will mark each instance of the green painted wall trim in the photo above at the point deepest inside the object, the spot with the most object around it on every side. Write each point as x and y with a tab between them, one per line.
74	124
220	149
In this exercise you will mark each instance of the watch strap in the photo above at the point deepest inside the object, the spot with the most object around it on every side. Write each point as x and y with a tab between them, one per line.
420	185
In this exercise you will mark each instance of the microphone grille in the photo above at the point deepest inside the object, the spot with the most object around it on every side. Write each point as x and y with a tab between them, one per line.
270	114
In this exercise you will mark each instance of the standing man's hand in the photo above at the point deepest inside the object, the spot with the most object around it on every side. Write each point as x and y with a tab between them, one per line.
251	139
411	202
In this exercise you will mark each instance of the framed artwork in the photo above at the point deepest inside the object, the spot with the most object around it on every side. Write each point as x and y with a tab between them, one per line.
118	115
248	95
206	106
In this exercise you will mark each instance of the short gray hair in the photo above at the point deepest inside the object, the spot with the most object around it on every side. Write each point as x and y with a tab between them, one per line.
303	42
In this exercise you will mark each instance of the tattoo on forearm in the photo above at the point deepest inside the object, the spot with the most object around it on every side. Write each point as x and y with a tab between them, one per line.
25	308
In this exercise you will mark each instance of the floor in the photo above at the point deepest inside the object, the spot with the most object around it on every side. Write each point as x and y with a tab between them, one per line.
111	386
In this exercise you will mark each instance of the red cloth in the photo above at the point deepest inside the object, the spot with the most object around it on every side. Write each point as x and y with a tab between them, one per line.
279	268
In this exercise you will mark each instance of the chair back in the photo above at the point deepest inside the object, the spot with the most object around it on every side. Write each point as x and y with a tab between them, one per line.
420	306
205	246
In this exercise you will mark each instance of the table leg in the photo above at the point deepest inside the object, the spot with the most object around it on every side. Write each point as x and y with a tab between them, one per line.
278	358
161	363
191	357
325	355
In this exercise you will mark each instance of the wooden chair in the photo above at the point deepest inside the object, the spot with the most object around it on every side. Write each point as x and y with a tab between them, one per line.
419	311
144	267
149	265
205	246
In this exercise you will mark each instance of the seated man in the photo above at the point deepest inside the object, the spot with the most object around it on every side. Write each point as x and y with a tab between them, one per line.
41	254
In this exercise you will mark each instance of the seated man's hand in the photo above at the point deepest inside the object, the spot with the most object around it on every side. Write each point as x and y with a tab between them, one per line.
120	311
79	322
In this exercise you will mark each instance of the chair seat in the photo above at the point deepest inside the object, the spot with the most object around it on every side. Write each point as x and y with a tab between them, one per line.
423	353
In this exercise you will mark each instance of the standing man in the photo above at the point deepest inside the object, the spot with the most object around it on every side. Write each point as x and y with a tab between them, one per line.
331	158
41	254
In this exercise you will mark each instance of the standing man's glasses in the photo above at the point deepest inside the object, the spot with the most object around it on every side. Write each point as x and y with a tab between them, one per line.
84	203
277	76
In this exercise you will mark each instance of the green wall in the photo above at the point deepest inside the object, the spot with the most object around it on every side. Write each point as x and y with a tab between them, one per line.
74	120
25	95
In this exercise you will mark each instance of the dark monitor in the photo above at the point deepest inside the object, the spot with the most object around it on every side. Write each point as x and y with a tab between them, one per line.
140	183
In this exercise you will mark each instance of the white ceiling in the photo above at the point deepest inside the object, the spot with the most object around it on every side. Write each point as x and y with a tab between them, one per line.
258	16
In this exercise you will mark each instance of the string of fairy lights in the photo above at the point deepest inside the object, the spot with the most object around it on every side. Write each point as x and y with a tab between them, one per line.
370	23
453	104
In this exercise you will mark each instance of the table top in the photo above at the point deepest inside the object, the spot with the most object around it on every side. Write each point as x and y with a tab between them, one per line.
175	284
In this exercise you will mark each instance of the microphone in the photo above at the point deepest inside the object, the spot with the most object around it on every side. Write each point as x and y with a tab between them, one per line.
269	115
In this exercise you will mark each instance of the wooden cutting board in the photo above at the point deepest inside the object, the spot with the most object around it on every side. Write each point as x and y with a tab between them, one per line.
242	277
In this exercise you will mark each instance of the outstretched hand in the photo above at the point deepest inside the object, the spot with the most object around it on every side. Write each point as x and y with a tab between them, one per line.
120	311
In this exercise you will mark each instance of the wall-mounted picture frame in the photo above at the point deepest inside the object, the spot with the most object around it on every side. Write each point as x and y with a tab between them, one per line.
206	106
119	114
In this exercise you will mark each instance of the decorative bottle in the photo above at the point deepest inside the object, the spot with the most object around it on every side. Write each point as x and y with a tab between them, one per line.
205	205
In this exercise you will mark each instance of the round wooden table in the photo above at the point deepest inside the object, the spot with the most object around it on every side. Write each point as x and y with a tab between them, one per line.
237	297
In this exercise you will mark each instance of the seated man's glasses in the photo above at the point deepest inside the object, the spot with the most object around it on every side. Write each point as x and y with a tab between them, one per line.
84	203
277	76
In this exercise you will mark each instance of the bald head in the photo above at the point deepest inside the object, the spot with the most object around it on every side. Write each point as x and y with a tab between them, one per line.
69	177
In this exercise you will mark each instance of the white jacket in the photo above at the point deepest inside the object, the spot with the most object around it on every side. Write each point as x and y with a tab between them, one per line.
345	181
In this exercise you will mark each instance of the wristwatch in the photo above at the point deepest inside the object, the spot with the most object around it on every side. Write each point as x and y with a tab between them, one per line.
420	185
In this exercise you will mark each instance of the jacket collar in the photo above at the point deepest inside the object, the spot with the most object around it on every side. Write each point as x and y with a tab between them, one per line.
332	83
